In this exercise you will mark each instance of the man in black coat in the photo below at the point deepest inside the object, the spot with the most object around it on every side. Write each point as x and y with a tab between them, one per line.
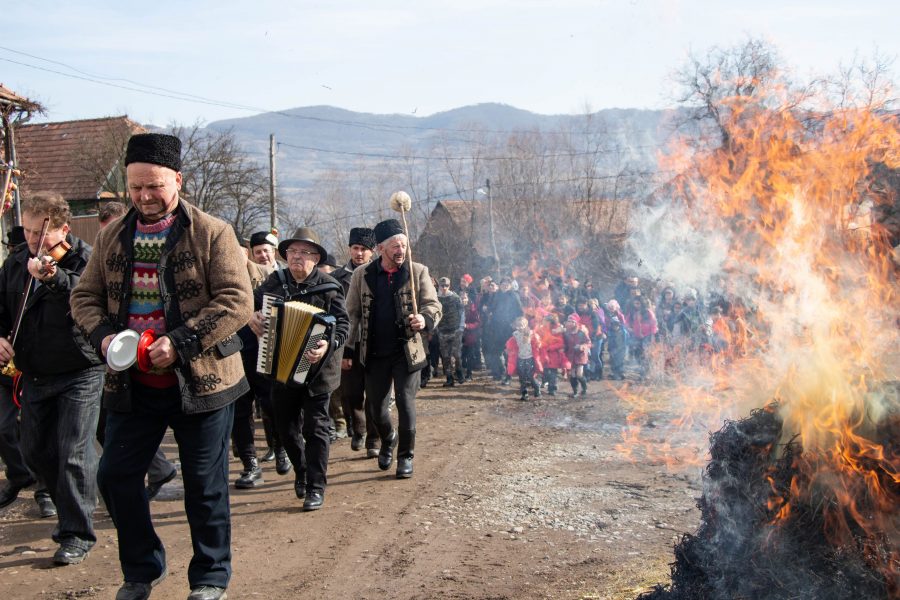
352	391
304	410
62	376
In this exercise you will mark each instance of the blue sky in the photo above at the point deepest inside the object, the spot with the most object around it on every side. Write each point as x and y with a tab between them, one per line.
546	56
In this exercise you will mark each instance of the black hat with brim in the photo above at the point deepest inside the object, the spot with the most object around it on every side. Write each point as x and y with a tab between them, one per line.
303	234
15	236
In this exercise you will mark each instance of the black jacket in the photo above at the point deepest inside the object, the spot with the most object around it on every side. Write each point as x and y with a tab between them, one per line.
48	343
332	300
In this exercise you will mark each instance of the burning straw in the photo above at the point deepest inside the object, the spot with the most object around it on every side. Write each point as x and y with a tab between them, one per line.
745	548
802	499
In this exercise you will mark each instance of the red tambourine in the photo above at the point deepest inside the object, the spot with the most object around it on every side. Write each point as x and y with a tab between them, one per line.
143	350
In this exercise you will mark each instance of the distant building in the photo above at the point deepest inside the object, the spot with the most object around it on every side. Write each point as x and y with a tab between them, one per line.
81	160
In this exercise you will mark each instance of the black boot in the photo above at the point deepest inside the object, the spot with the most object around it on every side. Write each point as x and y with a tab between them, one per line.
449	382
459	376
386	455
251	476
405	451
583	382
573	381
282	462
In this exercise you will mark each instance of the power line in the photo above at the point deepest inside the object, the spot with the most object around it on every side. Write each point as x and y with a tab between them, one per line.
143	88
485	158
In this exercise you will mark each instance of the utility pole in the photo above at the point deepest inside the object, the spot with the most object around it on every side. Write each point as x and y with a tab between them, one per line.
487	184
272	204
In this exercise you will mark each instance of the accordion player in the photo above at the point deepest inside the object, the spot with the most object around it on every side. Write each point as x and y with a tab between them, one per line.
291	329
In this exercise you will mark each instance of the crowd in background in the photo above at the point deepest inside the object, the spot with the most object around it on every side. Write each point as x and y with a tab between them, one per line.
548	328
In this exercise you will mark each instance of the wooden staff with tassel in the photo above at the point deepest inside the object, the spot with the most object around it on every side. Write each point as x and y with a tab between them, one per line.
401	202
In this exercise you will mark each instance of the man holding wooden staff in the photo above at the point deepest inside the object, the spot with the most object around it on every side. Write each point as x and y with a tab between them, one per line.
390	302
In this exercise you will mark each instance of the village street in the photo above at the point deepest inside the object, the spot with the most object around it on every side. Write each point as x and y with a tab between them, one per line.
509	500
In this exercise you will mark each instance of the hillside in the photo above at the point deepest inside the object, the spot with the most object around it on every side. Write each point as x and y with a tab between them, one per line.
316	140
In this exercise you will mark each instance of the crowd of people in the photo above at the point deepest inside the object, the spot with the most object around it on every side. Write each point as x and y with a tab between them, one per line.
197	297
544	328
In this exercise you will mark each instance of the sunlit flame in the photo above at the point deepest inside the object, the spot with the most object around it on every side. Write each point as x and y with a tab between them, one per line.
790	193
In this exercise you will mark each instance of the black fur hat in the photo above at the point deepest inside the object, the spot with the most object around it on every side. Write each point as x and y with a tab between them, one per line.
154	148
362	236
388	229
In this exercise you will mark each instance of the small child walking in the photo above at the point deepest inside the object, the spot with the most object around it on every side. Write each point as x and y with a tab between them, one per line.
524	351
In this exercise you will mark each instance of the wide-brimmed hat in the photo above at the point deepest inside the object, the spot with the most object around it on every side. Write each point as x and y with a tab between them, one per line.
331	261
303	234
15	236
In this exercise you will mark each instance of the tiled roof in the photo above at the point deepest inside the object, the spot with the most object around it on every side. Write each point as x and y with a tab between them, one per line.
71	157
9	97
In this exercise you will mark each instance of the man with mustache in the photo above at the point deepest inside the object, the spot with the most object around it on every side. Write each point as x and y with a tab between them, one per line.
388	332
169	268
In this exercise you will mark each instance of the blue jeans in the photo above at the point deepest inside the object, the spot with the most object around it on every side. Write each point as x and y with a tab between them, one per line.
132	440
59	420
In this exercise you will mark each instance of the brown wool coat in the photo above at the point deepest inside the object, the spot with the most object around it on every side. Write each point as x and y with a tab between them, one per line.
206	294
360	298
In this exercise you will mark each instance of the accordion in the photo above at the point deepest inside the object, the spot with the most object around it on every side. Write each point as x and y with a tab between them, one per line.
290	330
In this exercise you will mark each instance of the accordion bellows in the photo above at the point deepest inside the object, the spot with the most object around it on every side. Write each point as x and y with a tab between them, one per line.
291	329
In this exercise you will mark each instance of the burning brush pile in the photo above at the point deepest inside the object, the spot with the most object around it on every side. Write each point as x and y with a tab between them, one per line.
746	548
802	498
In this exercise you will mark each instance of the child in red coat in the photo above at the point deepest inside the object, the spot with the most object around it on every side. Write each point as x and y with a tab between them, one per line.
553	352
524	352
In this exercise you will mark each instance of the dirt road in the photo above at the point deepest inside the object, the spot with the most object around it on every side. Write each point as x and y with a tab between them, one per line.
510	499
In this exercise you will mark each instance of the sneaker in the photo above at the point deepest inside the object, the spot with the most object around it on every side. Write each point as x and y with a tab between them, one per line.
207	592
69	555
372	452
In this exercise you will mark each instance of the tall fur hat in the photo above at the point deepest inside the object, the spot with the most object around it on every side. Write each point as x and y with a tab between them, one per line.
154	148
362	236
387	229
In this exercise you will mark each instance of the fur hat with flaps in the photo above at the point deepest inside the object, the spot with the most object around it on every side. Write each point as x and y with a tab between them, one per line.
154	148
304	234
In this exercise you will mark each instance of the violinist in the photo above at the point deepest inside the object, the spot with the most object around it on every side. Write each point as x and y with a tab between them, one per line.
61	375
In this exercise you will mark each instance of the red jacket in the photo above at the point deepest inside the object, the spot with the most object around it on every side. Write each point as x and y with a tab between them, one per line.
512	353
642	324
553	350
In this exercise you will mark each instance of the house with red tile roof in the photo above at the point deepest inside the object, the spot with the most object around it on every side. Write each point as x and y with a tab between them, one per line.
80	160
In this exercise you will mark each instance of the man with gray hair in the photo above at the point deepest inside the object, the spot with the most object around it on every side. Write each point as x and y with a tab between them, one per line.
386	326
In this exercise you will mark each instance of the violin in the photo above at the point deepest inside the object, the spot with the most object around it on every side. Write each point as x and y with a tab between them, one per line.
56	253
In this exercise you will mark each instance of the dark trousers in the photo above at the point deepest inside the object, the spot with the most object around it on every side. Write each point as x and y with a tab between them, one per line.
59	421
10	453
352	395
525	370
243	432
131	441
302	422
160	467
381	372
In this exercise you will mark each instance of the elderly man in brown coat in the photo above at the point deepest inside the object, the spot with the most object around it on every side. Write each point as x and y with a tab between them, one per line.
168	268
386	329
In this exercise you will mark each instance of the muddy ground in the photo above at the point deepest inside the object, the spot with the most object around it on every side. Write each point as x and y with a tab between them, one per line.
510	499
